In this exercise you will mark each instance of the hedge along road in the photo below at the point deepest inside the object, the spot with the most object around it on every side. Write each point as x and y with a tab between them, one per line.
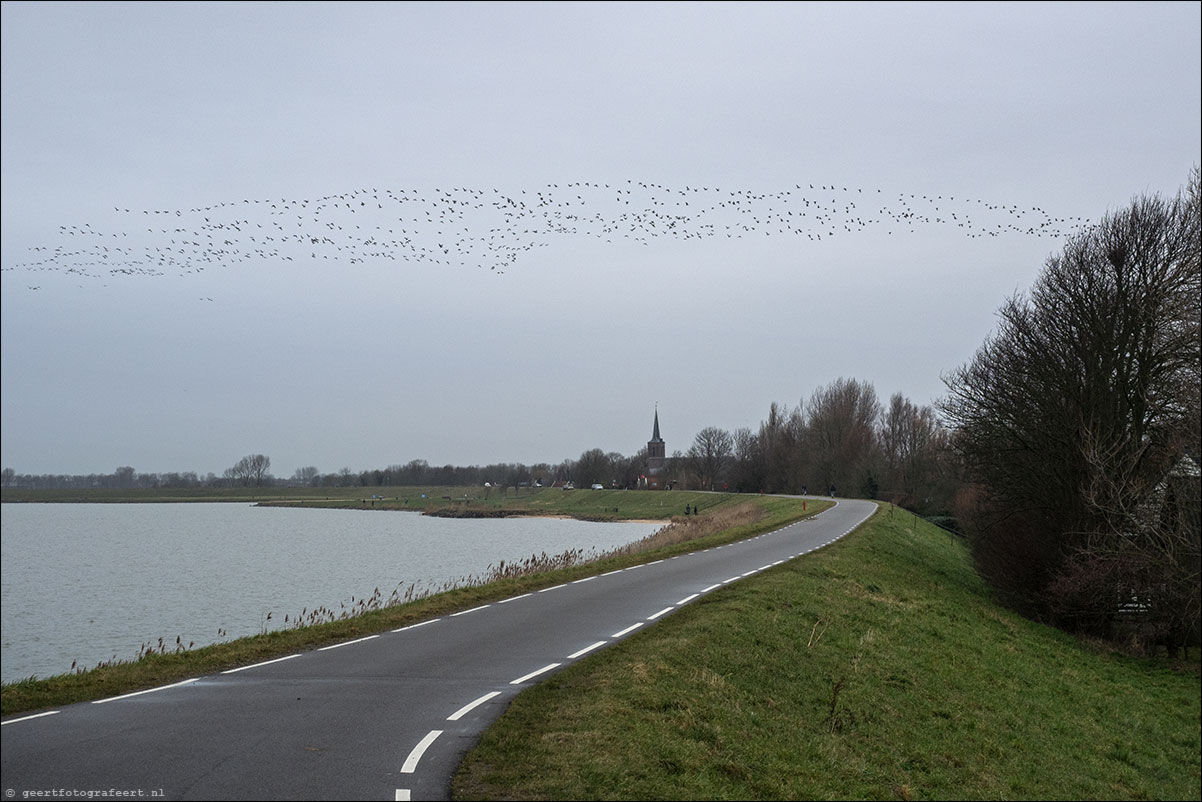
388	716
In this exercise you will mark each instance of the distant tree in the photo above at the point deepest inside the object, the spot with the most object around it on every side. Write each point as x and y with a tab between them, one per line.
250	470
841	433
306	475
709	455
593	467
9	477
1074	412
123	477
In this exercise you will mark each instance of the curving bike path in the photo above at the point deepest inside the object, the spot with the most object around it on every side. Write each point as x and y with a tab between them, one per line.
389	716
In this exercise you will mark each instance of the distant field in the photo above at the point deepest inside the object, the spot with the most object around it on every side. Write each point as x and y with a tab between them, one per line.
876	668
592	504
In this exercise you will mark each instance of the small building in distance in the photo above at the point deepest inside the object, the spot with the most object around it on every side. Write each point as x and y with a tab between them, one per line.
653	477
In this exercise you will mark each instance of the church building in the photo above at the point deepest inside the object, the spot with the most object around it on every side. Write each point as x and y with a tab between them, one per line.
654	478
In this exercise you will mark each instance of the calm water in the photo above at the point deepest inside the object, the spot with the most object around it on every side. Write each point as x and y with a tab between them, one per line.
90	582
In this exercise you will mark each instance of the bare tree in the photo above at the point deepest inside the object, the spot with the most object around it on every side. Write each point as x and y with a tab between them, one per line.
841	429
250	470
710	453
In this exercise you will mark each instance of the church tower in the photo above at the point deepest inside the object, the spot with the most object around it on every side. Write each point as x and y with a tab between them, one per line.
655	458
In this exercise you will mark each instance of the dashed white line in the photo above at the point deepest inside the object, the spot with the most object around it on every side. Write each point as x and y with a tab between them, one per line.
515	598
474	609
346	643
586	579
732	579
553	587
27	718
410	764
534	674
627	631
402	795
148	690
587	649
712	587
661	612
470	706
415	626
615	571
687	599
257	665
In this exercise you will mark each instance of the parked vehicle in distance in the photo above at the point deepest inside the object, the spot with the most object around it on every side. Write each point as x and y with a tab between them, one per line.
597	487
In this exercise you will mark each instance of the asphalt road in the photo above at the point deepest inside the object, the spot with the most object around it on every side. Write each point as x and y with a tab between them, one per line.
384	717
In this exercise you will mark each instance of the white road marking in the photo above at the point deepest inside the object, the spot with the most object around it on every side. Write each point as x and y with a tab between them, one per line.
712	587
402	795
533	674
346	643
410	764
553	587
687	599
27	718
587	649
514	598
474	609
615	571
257	665
661	612
415	626
148	690
627	631
586	579
732	579
470	706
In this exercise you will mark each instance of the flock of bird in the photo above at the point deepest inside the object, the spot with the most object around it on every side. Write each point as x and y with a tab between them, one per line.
494	229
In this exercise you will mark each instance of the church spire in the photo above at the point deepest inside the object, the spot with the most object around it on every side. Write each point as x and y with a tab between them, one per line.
655	438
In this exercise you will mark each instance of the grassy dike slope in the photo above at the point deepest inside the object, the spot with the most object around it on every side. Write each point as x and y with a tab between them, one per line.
877	668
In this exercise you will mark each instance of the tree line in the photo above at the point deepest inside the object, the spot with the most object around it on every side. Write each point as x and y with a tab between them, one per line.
843	438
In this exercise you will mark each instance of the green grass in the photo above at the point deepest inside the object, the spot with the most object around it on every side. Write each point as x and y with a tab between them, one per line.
153	670
876	668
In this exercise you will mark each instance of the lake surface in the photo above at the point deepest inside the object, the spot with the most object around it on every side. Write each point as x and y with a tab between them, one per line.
93	582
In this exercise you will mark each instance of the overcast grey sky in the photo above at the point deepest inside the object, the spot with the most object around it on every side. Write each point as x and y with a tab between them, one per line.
457	325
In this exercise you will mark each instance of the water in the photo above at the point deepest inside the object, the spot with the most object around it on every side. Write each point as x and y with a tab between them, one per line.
93	582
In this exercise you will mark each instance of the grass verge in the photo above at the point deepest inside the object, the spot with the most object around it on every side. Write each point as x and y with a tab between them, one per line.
724	518
877	668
